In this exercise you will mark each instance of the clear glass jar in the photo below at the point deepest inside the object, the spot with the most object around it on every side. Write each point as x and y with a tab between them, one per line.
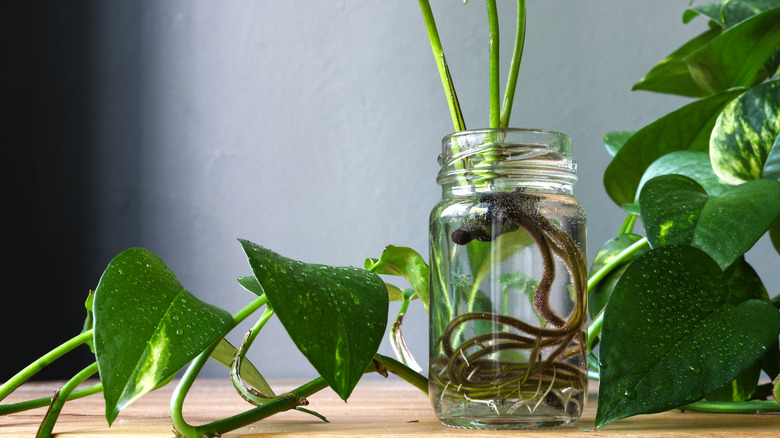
508	283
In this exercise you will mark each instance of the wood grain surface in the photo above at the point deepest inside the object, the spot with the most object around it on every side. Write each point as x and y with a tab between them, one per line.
378	407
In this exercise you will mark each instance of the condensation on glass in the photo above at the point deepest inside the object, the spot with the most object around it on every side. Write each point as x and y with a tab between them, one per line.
508	283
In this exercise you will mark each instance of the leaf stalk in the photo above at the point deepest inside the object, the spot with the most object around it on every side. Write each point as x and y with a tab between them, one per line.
514	67
441	64
30	370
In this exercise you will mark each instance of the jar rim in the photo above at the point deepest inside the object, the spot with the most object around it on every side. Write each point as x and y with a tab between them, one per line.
564	140
517	154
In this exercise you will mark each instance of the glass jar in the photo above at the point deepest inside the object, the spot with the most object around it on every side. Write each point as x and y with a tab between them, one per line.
508	283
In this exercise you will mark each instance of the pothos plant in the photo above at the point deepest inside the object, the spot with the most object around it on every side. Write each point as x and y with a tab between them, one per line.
679	317
682	320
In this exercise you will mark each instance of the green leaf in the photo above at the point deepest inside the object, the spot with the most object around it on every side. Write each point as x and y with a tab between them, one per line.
687	128
335	315
677	210
770	363
224	355
405	262
147	327
485	256
736	57
711	11
745	137
736	11
740	389
774	235
599	294
772	165
615	140
693	164
745	284
670	338
672	75
251	284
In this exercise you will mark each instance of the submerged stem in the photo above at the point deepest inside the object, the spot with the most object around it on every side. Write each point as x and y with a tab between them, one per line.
537	357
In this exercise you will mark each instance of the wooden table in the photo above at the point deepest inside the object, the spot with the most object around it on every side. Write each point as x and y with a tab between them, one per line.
378	407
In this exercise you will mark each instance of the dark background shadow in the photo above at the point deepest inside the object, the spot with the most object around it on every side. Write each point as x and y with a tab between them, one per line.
51	256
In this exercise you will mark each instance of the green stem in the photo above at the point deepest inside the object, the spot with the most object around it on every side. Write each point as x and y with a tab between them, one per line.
235	368
514	67
416	379
594	329
59	399
12	408
441	64
495	79
244	313
599	275
745	407
22	376
281	403
185	384
628	224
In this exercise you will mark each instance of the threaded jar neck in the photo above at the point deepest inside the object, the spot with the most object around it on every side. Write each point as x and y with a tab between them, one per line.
506	159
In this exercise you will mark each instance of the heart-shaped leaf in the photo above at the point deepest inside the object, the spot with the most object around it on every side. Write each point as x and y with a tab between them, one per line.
335	315
676	210
147	327
693	164
736	57
404	262
672	75
670	338
687	128
599	294
745	137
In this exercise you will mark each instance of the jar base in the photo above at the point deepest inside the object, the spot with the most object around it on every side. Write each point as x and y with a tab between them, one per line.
509	423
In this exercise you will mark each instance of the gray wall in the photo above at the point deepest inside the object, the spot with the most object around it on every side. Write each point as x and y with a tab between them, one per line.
312	128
